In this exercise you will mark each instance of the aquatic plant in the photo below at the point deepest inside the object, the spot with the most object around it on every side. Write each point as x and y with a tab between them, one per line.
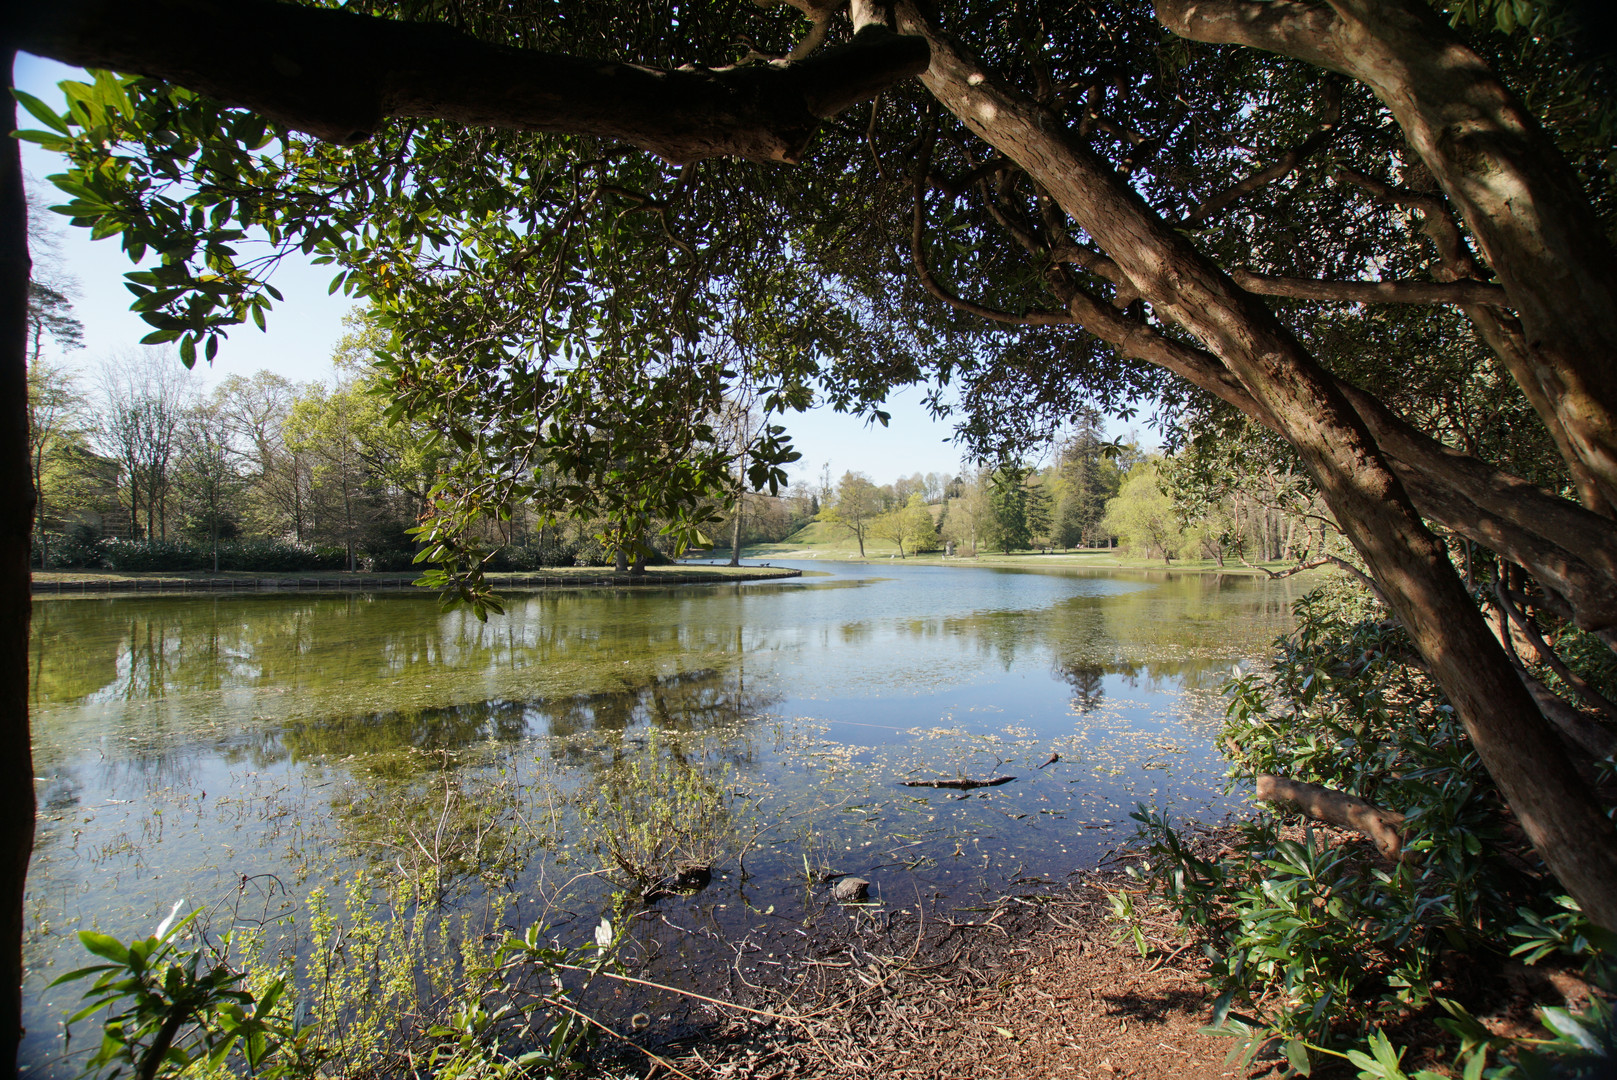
388	984
664	819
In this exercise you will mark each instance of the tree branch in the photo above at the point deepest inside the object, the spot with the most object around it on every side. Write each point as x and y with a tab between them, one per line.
1576	730
1336	808
1462	292
337	75
1293	27
1455	257
957	187
1548	657
1331	115
1034	317
1570	550
1100	265
1501	332
1276	575
1502	172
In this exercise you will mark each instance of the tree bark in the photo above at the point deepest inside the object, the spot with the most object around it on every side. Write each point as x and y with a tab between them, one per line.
1335	808
338	75
16	522
1514	740
1498	168
1372	292
1502	333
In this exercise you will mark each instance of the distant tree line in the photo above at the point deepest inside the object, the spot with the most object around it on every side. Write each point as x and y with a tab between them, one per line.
1002	508
137	469
1233	500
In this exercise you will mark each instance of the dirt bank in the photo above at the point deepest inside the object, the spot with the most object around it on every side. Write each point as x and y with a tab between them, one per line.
1032	985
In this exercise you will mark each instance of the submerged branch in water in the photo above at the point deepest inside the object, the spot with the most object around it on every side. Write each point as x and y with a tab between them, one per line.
960	785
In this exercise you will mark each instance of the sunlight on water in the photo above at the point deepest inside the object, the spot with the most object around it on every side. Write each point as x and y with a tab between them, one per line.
190	744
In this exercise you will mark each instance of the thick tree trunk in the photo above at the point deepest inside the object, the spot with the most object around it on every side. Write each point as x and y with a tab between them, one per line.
642	548
1564	823
1499	169
16	521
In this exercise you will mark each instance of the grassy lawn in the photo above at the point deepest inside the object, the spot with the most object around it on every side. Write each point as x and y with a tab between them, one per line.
819	540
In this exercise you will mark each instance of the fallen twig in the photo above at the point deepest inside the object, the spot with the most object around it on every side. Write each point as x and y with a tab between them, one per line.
960	785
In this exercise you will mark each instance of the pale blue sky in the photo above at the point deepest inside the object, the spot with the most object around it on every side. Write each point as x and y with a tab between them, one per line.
305	326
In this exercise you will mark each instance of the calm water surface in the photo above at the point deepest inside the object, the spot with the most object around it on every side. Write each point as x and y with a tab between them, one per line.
186	743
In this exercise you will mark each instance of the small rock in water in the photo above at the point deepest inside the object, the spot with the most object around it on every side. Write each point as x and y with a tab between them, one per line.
850	890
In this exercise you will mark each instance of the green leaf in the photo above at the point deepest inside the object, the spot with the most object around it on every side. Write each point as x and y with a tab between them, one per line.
54	143
41	112
82	972
105	945
1297	1055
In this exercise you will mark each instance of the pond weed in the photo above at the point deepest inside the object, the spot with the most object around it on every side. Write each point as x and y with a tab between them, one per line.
666	818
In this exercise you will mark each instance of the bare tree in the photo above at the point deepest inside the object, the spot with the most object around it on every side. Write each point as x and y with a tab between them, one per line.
735	427
55	416
205	474
145	396
253	413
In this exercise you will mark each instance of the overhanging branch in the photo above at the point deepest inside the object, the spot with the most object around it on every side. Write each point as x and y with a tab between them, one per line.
1462	292
1567	548
929	281
337	75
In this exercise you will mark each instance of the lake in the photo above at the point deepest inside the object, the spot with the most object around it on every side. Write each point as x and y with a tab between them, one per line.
242	752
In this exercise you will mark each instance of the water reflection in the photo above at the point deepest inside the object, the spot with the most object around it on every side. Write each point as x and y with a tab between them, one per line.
186	741
1087	682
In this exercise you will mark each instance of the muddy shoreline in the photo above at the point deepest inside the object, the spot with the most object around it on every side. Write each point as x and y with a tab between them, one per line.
1034	984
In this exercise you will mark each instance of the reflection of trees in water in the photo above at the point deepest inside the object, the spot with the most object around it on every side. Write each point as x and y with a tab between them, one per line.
322	647
999	636
692	701
1163	637
1086	682
855	633
376	739
464	775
